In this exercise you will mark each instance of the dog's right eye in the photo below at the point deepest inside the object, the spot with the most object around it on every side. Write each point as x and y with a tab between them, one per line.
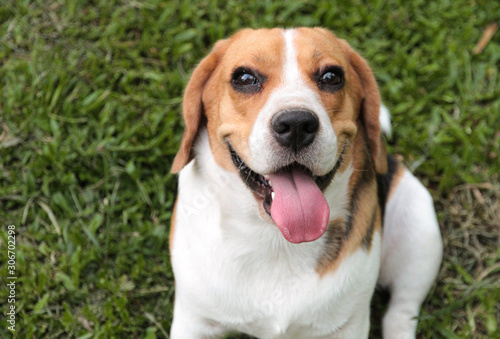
246	81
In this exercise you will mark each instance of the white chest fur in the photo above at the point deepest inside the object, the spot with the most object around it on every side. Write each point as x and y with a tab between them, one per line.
236	272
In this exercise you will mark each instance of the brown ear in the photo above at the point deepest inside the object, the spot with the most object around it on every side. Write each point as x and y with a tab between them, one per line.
192	105
370	107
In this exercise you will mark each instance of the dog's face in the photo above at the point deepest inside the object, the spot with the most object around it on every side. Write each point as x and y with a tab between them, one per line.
283	107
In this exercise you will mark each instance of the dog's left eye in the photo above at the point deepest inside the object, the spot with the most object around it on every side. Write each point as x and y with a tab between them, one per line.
331	79
246	81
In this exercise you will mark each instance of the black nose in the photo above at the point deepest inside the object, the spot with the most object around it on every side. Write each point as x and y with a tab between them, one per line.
295	129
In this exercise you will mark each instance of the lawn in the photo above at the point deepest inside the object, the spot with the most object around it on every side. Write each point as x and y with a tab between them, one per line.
90	101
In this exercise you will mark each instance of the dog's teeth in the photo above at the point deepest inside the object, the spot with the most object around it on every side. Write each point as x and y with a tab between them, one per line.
272	195
269	182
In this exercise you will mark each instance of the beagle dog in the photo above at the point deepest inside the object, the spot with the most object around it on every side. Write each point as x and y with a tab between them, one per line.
289	212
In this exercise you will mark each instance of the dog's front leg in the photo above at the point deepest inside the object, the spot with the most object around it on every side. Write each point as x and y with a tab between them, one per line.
411	255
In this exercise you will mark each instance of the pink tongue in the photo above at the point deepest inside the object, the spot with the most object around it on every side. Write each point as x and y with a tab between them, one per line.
299	207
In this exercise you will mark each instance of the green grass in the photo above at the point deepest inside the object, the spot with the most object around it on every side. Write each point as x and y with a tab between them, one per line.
90	100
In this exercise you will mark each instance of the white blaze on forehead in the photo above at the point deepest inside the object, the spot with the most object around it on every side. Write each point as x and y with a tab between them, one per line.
291	73
266	155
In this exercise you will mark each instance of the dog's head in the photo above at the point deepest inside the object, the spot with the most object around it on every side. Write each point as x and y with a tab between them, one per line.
282	107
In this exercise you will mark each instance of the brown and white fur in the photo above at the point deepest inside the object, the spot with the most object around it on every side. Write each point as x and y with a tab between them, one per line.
235	270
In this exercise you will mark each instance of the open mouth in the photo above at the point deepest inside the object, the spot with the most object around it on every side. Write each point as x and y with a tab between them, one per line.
292	197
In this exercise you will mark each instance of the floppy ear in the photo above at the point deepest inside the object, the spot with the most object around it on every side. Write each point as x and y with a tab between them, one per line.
192	105
370	107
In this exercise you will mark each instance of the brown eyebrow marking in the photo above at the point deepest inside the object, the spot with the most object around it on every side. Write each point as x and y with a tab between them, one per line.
259	57
317	54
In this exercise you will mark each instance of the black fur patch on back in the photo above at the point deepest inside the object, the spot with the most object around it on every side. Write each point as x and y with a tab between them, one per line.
384	182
